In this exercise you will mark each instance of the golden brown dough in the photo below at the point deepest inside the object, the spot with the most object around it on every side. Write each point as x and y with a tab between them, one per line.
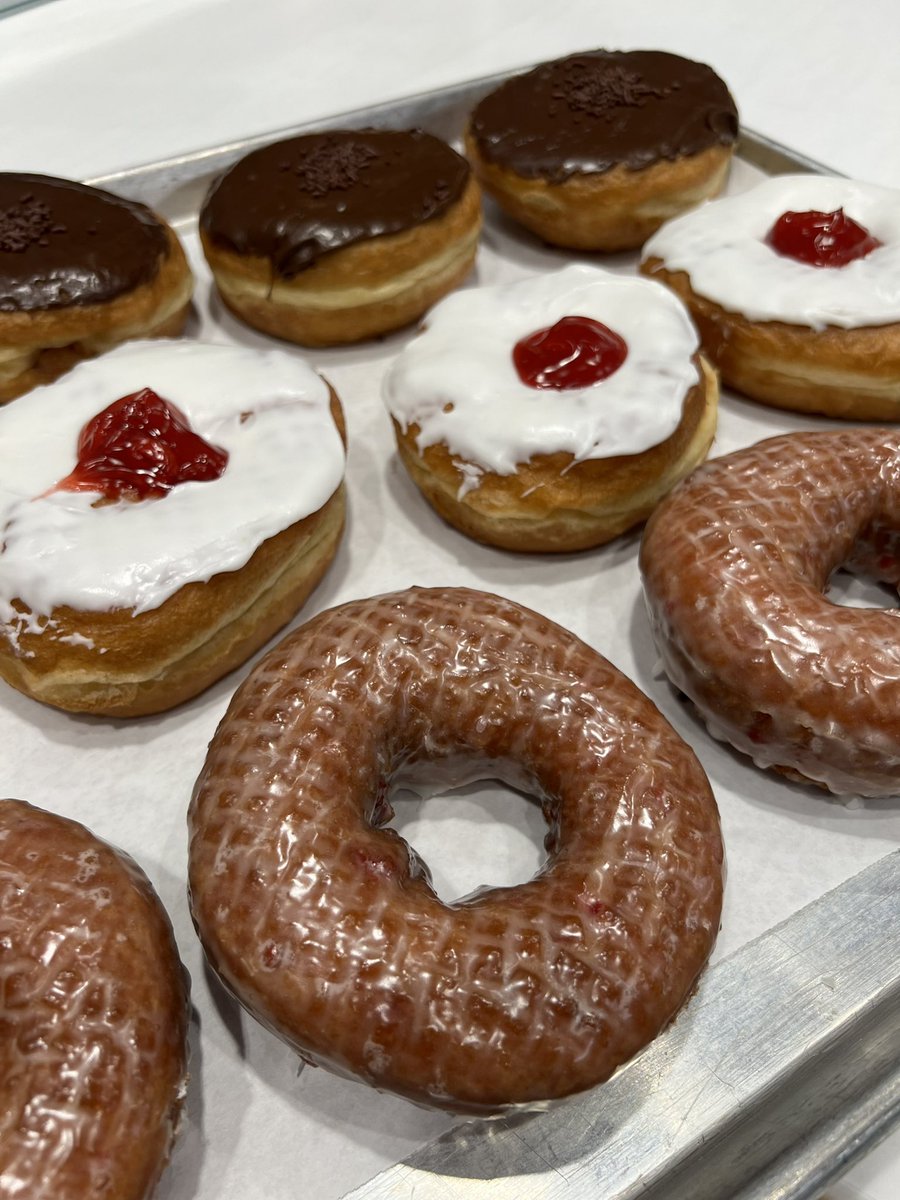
617	210
850	373
553	503
122	664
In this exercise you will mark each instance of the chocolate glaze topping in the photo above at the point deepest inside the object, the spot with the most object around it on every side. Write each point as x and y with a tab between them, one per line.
297	200
590	112
63	243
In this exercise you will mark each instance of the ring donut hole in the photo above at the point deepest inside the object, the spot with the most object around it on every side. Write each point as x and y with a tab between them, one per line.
471	836
320	920
870	575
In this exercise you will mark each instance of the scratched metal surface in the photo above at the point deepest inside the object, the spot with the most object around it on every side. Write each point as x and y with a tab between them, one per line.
783	1069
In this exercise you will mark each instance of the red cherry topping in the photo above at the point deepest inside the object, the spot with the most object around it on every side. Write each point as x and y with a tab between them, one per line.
140	447
821	239
573	353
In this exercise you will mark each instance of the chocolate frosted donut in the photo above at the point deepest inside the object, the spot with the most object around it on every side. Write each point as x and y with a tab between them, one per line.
338	236
596	150
81	270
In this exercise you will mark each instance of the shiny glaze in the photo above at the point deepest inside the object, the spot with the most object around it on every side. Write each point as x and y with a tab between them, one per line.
574	352
591	112
93	1016
296	200
140	447
735	562
64	243
323	922
822	239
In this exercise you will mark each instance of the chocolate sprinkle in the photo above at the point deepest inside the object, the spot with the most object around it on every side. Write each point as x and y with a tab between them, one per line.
599	95
24	224
333	166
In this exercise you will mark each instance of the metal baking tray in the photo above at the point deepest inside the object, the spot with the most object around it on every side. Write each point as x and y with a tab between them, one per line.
782	1069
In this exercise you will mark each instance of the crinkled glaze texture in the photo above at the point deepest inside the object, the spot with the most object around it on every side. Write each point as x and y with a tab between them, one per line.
93	1016
324	923
735	563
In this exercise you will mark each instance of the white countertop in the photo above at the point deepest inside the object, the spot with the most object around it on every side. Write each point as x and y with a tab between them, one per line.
89	87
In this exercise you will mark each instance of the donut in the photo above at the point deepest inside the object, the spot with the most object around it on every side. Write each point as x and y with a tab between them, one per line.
81	270
93	1016
524	426
735	565
335	237
323	922
166	509
794	286
596	150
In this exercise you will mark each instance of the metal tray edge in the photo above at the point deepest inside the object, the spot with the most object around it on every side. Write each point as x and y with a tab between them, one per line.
167	183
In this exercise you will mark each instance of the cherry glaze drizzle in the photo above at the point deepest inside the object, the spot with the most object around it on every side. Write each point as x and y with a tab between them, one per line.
140	447
821	239
575	352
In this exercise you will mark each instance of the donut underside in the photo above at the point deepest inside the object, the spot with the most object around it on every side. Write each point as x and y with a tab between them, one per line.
609	211
38	347
93	1040
803	686
134	665
553	504
847	373
359	291
514	995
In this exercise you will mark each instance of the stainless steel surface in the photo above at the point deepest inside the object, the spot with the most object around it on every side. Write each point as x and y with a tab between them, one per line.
780	1072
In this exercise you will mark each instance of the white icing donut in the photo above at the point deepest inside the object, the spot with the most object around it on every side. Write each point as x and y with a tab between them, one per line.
456	381
285	460
722	247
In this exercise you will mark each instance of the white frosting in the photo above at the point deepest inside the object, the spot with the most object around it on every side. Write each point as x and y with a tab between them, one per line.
285	461
457	382
722	246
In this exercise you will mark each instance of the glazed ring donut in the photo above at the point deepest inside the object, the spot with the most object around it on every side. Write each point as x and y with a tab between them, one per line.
323	922
121	602
735	562
516	460
812	333
334	237
596	150
93	1016
81	271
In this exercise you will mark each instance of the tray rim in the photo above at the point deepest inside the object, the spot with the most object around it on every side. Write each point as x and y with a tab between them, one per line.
769	154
